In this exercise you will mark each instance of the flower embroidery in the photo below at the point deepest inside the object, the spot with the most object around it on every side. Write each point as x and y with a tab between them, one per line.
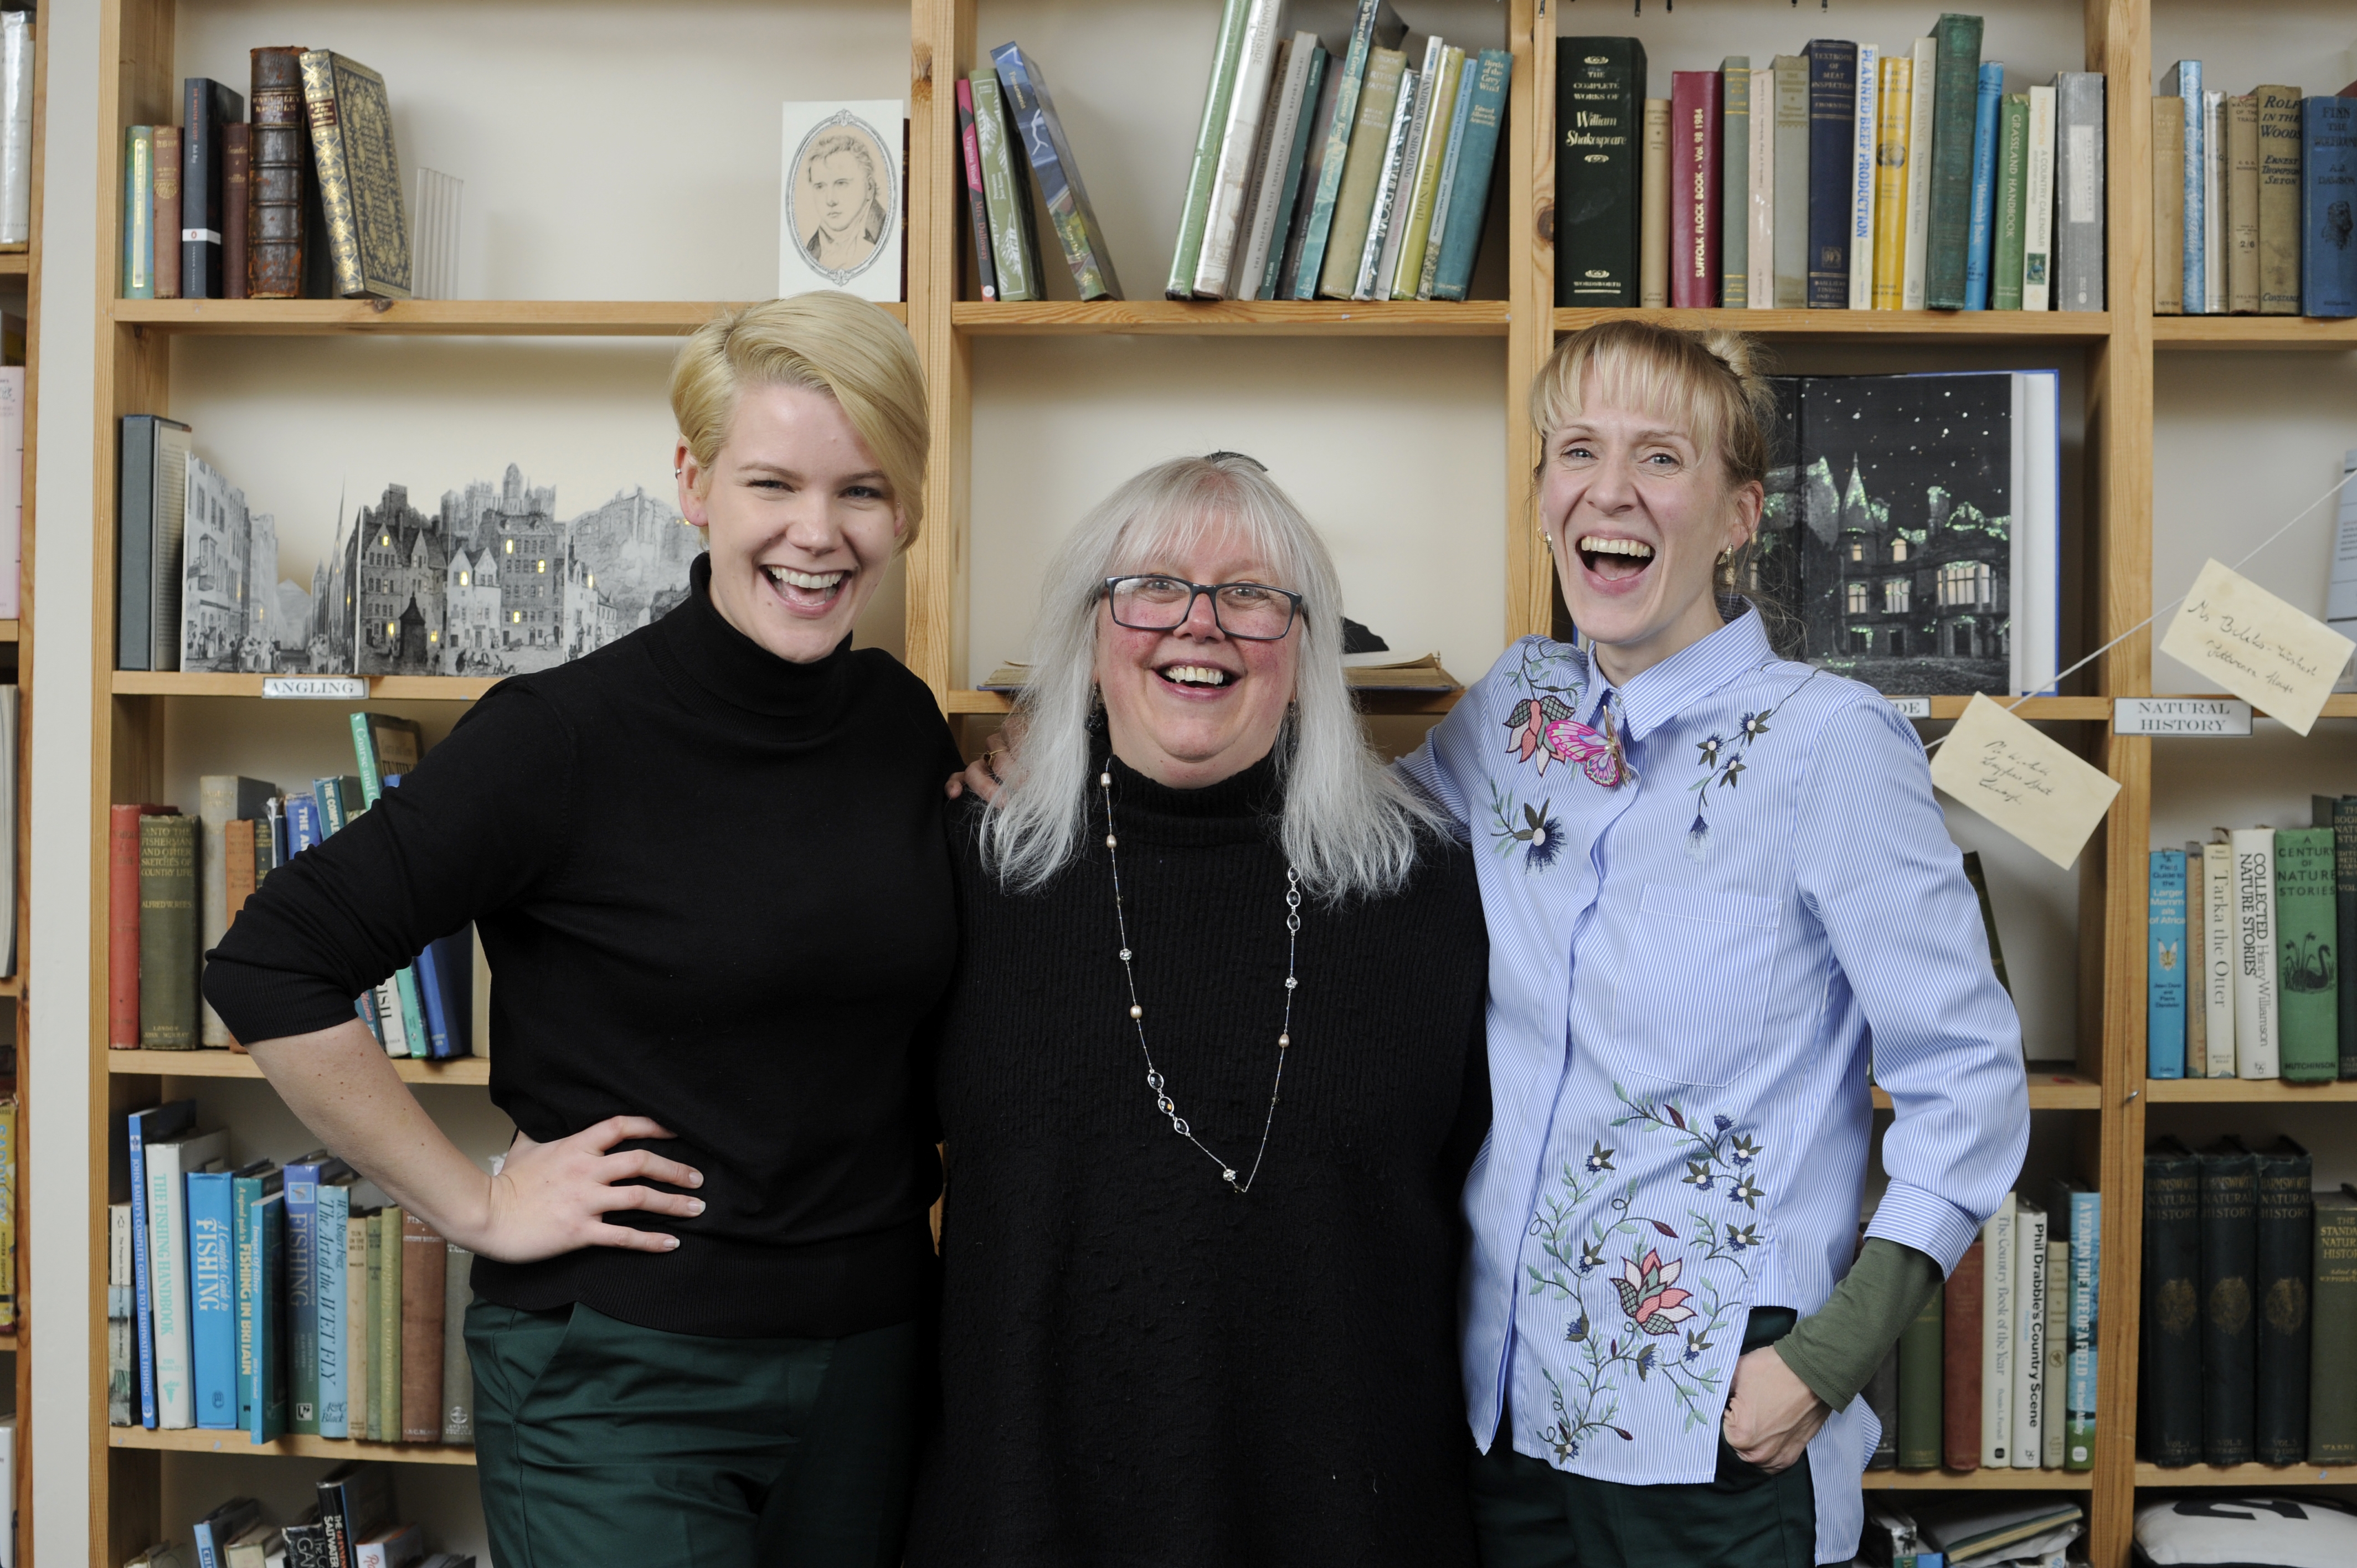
1525	824
1600	1158
1648	1296
1723	764
1543	727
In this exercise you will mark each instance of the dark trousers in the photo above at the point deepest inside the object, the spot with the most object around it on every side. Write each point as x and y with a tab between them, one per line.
596	1441
1528	1514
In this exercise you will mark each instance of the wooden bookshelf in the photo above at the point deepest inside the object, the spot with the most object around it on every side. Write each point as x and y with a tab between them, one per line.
1285	318
380	688
2254	332
1979	1481
473	1072
2245	1092
421	317
1944	326
2248	1478
192	1440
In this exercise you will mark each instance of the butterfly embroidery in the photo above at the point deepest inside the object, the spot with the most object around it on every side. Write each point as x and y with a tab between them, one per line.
1543	727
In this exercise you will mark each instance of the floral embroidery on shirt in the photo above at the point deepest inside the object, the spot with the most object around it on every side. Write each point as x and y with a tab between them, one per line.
1512	823
1723	762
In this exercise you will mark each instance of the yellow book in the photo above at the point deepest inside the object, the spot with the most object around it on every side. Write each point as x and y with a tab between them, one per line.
1893	125
1654	209
1439	118
1362	166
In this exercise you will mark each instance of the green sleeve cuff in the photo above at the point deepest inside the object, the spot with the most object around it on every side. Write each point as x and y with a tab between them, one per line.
1837	1347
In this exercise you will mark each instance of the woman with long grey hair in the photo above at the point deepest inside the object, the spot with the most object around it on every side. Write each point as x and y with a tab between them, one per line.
1212	1077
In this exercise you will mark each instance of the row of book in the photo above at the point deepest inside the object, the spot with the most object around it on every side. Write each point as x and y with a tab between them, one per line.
302	202
175	884
1973	1530
2244	978
1837	178
269	1299
2251	196
2249	1327
1360	172
352	1525
1998	1369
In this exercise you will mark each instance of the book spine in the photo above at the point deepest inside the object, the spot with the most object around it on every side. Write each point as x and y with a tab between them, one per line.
1395	207
977	206
2306	936
169	165
1792	166
2229	1272
1239	134
276	236
1361	173
1278	170
2197	948
134	502
2169	1408
1226	55
2220	937
245	1273
1015	246
1960	1400
2058	1353
1361	280
2333	1344
391	1301
1735	185
1759	288
16	129
122	928
1653	206
1468	72
1468	201
1330	154
2343	815
2243	204
374	1242
2256	1050
2079	192
1041	132
2279	200
1920	1380
167	933
168	1262
2037	205
2214	203
1998	1308
335	180
1955	86
1833	141
1980	238
2328	194
2029	1338
142	1271
1881	1396
237	195
424	1258
2086	1275
212	1301
1891	170
2012	199
302	1200
121	1363
1864	116
2184	82
458	1371
2165	967
1695	136
138	212
197	236
270	1322
1599	169
360	1324
1317	93
2287	1221
328	1228
1432	158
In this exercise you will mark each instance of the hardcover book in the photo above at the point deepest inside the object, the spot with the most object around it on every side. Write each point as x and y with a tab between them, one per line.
141	1128
151	490
1695	134
424	1257
1376	26
1654	209
164	208
1277	178
1468	74
280	237
977	206
2229	1279
1226	56
1960	1404
2000	1288
139	213
1353	205
2339	812
170	1161
2327	198
1833	146
1283	225
207	108
2077	1217
1955	88
2307	975
1735	183
2220	935
2279	128
1791	227
1759	287
2333	1344
1424	195
840	205
458	1371
1006	186
1247	107
212	1298
2038	204
2164	967
2256	1020
2169	207
1919	1378
1041	134
2182	82
1924	73
2287	1225
1894	119
2079	192
2058	1349
222	798
2012	201
237	196
2029	1334
258	1214
1380	247
1863	120
2169	1407
2197	1032
2241	224
359	176
167	933
1980	237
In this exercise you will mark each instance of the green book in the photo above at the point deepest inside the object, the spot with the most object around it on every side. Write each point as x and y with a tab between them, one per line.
138	212
1007	195
2339	812
1734	181
386	1223
2307	986
2012	182
1362	173
1225	57
1424	196
2332	1342
1956	89
167	933
1920	1387
367	730
374	1307
1376	26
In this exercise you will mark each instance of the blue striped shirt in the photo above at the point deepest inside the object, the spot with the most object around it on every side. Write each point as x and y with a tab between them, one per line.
1689	975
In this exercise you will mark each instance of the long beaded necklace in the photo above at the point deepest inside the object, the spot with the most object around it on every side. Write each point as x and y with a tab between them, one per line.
1154	1079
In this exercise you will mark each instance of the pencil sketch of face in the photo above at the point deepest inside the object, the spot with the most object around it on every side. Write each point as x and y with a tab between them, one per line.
840	194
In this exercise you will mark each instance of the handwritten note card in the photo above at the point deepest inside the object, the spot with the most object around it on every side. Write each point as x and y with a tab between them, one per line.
2256	646
2033	788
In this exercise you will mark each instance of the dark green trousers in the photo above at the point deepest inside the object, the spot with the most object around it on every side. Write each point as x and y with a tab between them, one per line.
599	1441
1528	1514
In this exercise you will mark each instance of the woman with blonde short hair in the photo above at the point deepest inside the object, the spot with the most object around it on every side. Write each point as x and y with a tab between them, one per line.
706	865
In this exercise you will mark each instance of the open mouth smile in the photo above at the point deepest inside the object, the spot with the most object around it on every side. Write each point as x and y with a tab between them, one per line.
1615	560
806	591
1196	677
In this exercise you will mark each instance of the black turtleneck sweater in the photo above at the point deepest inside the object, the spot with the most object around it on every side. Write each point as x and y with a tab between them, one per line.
1139	1366
712	887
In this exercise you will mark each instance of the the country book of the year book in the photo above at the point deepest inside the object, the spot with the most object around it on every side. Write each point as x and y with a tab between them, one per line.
2000	1324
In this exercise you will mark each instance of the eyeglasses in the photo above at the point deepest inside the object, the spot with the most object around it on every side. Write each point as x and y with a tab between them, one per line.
1252	612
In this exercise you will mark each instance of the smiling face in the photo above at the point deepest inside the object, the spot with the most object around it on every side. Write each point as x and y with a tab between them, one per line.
1193	705
800	518
1637	517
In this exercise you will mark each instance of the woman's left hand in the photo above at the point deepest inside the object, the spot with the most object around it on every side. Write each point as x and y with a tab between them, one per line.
1770	1414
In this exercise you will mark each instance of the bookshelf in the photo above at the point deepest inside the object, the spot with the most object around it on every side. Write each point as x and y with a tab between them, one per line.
992	366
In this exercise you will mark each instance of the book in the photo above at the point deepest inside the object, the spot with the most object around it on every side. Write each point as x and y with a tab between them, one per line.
2168	1405
1979	1527
1015	241
1979	880
1695	139
164	208
359	1324
1247	106
1317	94
330	1228
169	1162
1366	283
1894	119
123	922
2256	1018
977	206
2328	161
2165	967
1468	76
2280	132
207	107
1041	132
1387	231
1955	88
2281	1260
2079	192
16	61
1300	76
1881	1396
1920	1375
221	798
262	1546
1734	182
2038	204
212	1299
458	1371
2182	82
2075	1215
2220	932
1289	276
1999	1287
1922	77
280	234
1833	145
2332	1342
237	197
1980	238
138	212
1759	287
395	1548
151	499
140	1128
2243	204
2194	965
308	1254
2029	1286
2339	813
213	1532
2306	936
1376	26
1654	209
258	1234
167	933
13	410
391	1298
2229	1210
1227	54
424	1255
353	155
400	1006
2214	203
306	1541
1793	176
1962	1308
355	1502
1361	172
1431	157
122	1359
372	1244
1864	119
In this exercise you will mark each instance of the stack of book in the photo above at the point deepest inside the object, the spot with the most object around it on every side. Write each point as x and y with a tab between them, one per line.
2250	1309
273	1299
2242	978
1000	111
350	1526
175	884
302	202
1988	1530
1998	1369
1841	178
2251	196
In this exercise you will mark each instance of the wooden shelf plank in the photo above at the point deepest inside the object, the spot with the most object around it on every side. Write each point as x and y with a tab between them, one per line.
1989	1480
10	632
2049	708
233	1064
234	1442
1873	326
425	317
2253	1475
16	261
381	688
2341	705
2242	1092
8	1342
1222	319
2052	1088
2252	332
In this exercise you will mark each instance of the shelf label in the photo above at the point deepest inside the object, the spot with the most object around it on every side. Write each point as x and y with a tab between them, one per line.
1911	707
2181	716
329	688
2264	651
2033	788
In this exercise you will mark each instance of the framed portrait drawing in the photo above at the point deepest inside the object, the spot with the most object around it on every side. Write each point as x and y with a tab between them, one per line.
840	209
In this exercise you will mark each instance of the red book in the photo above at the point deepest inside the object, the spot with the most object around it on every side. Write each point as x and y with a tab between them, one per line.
1694	120
237	189
163	211
123	922
1959	1364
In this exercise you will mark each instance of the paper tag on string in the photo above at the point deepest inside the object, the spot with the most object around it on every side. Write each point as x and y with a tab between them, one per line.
2035	789
2257	646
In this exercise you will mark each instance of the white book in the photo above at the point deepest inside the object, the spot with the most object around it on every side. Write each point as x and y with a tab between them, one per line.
1468	70
169	1165
2035	548
2058	1352
16	137
1256	179
11	480
1429	152
1760	269
2037	205
2214	203
1277	148
2255	954
1387	180
1234	171
1919	175
2341	598
1997	1337
8	1461
2029	1281
1411	157
2219	958
1861	178
389	1019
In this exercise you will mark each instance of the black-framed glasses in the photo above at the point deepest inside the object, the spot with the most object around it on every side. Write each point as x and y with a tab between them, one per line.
1253	612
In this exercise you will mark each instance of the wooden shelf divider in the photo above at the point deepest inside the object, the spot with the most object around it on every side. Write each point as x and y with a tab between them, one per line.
189	1439
236	1064
420	317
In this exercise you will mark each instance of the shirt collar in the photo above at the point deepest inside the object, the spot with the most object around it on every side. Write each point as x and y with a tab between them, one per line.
1655	695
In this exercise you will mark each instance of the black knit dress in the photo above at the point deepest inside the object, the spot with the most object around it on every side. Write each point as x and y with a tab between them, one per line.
1139	1366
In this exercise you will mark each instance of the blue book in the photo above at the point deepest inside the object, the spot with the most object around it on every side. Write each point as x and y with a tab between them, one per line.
160	1122
1058	173
1297	158
307	824
304	1257
2164	967
257	1233
2327	195
2183	80
330	1288
446	982
212	1300
2079	1215
302	824
1373	26
1482	108
1833	145
218	1529
1988	110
